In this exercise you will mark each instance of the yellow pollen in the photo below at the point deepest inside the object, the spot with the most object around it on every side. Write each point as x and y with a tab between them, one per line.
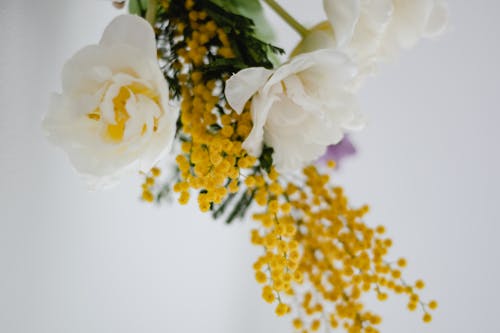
115	131
95	115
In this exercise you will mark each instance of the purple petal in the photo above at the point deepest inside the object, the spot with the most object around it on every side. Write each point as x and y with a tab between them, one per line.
338	152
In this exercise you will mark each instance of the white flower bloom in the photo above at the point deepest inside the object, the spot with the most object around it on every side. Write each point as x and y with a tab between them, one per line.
371	31
113	117
298	109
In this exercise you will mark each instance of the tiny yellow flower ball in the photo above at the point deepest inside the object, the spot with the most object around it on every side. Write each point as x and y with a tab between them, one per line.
396	274
412	306
388	242
189	4
273	206
204	207
156	172
402	262
297	323
315	325
184	198
227	131
275	188
286	208
380	229
375	320
250	181
333	322
279	285
433	305
298	277
369	329
427	318
282	309
260	277
147	196
273	175
233	186
186	147
419	284
268	295
382	296
149	181
399	289
177	187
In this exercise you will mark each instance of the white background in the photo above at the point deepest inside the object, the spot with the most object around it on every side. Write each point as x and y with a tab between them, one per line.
73	261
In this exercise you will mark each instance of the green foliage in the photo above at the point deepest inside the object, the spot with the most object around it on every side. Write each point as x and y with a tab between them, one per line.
250	51
266	159
241	31
253	10
239	209
138	7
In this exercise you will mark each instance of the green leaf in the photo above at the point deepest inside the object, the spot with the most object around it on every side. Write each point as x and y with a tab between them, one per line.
222	207
241	207
138	7
266	159
253	10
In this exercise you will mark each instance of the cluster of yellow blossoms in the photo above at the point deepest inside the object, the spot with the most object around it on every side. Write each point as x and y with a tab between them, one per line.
149	182
212	156
312	239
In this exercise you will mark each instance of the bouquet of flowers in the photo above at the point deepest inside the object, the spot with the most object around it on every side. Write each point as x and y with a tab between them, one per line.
194	95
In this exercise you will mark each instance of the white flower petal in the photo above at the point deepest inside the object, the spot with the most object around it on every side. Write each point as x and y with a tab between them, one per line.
79	72
377	14
295	91
304	106
357	122
243	85
292	152
332	69
438	20
88	69
79	119
107	106
295	65
315	40
343	16
131	30
260	108
287	116
375	31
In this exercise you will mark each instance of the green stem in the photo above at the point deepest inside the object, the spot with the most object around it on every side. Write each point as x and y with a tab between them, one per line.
151	12
292	22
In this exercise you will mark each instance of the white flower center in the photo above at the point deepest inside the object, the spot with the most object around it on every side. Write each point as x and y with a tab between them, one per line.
115	131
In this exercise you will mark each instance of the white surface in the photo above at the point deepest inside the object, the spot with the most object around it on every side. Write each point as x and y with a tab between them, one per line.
73	261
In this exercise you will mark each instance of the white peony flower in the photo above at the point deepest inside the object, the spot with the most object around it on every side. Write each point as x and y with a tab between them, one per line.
371	31
113	117
298	109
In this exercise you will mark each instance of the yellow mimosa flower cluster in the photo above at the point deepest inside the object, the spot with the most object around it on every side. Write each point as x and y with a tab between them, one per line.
278	267
212	156
319	256
149	182
313	238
